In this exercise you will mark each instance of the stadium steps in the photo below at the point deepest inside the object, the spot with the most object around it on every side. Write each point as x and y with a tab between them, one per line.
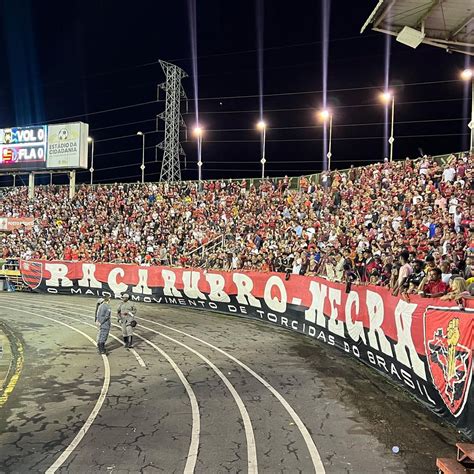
18	283
464	463
466	454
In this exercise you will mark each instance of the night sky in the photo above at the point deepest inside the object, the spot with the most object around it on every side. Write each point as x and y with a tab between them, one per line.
65	61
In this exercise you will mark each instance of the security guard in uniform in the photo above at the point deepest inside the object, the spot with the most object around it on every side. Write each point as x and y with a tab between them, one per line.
103	323
126	317
99	302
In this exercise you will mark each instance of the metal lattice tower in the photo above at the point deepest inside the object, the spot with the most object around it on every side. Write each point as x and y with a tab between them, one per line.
171	146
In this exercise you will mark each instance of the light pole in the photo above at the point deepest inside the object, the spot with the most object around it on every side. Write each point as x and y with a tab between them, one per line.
91	169
198	134
326	115
468	75
262	126
386	98
142	167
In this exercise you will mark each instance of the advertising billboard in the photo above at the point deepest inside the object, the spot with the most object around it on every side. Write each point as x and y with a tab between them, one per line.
67	145
44	147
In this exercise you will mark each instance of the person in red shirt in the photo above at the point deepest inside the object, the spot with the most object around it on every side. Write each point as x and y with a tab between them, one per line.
434	287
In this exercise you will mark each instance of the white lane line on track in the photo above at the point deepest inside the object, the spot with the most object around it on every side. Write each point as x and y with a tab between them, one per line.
140	361
251	446
100	401
196	418
313	450
196	428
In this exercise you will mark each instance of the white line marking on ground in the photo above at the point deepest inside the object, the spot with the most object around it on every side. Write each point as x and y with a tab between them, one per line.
196	428
196	420
100	401
137	356
140	361
313	451
251	446
133	351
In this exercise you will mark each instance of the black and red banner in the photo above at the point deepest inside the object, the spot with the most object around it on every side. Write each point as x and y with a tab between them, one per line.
425	345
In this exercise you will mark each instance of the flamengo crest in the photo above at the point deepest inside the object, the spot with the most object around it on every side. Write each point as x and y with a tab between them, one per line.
32	273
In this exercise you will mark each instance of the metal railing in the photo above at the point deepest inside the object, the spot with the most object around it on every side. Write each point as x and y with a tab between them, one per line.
293	184
211	245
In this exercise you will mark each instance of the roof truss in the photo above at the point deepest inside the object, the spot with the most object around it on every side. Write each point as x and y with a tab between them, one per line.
445	24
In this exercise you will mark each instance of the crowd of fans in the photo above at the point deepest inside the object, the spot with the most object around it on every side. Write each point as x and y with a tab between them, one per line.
406	225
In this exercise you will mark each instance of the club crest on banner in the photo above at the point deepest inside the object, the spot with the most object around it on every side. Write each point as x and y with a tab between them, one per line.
31	273
447	343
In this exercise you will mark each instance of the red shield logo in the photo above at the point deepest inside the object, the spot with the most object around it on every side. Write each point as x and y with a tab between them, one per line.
448	342
31	273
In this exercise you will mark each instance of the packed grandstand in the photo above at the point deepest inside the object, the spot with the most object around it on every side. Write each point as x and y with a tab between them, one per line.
407	225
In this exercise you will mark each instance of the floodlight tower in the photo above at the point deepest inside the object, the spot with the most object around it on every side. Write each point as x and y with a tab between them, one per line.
171	146
389	98
468	75
326	116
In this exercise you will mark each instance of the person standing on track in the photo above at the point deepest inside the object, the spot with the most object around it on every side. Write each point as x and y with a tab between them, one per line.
126	317
99	302
103	322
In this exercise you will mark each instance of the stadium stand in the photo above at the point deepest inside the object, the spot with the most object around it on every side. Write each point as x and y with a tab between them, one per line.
407	225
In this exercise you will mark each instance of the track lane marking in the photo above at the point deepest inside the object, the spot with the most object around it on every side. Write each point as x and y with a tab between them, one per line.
196	418
140	361
100	401
313	451
252	464
5	392
310	444
251	446
196	427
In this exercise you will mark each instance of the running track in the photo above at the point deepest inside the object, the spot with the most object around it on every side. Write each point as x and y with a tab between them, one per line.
201	392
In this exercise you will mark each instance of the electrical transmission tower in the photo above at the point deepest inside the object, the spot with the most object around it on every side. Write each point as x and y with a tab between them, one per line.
171	146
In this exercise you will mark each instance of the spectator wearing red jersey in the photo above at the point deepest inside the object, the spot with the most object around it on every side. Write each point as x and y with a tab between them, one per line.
434	287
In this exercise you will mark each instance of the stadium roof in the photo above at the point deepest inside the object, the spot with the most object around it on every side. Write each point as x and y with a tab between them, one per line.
447	24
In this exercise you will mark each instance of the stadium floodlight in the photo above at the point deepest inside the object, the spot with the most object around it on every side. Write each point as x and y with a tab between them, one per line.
198	132
262	126
142	167
411	37
388	97
326	115
468	75
91	169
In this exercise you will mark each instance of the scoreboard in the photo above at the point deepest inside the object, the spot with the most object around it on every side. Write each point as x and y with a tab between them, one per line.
35	148
23	147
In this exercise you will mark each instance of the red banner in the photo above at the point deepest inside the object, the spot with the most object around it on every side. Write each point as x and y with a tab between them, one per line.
9	224
415	347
